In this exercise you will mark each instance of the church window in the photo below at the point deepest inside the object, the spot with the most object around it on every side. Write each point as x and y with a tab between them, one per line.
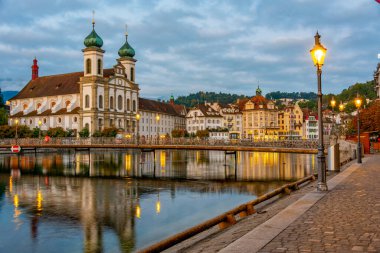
88	66
30	121
75	119
132	74
99	67
134	105
119	122
128	105
87	101
101	101
59	120
120	102
111	102
44	120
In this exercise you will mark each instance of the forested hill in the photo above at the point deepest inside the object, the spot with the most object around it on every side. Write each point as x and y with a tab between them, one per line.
201	97
292	95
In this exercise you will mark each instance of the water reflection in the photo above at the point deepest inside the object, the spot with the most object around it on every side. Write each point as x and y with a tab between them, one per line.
205	165
47	209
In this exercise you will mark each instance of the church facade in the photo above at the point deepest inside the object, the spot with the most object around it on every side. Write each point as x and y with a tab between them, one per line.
94	98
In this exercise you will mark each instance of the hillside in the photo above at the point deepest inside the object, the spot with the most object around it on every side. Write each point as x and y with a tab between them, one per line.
201	97
292	95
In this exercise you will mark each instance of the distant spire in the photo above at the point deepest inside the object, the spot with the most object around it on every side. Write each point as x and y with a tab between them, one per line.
126	29
35	69
93	19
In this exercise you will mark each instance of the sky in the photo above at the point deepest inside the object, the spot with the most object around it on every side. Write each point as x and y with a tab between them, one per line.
195	45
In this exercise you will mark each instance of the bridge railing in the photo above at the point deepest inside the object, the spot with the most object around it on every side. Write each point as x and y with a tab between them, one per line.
73	141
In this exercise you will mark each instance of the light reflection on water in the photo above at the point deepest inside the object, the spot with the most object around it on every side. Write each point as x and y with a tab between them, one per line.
42	209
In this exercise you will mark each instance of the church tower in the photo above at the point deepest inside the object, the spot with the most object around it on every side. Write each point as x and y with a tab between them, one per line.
126	53
92	83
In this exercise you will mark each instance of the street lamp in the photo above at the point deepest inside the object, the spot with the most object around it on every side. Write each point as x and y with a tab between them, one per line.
16	122
39	129
158	128
358	103
333	104
138	128
318	53
341	106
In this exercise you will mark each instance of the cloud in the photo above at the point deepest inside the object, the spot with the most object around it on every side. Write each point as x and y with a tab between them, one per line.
185	46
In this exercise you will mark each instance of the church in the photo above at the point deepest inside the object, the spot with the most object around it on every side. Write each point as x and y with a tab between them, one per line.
95	98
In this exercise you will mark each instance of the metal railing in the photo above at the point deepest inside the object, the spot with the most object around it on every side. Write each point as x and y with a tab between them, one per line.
72	141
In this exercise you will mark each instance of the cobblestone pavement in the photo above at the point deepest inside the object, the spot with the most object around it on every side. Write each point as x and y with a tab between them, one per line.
347	219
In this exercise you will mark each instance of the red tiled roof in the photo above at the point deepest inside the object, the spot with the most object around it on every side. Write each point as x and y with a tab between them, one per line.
54	85
159	107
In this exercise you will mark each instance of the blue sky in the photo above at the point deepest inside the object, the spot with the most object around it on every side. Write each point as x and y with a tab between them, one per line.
187	46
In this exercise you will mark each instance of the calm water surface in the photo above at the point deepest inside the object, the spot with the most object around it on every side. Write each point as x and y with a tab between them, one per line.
120	201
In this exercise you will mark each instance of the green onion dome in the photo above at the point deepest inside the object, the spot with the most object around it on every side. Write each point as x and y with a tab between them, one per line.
126	50
93	40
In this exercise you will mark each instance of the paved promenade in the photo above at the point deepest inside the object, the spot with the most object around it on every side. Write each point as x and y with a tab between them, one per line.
345	219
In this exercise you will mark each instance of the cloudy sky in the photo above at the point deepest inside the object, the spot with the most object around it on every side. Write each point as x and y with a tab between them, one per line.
187	46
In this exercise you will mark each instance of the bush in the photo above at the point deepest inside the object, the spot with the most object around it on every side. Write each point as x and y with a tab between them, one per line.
202	133
109	132
177	133
84	132
97	133
56	132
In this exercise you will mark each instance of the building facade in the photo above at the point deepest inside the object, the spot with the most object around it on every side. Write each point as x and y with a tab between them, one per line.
159	118
377	80
260	118
203	117
290	123
94	98
232	119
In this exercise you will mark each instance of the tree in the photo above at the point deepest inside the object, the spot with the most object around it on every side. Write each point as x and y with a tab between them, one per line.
56	132
202	133
109	132
177	133
3	116
84	132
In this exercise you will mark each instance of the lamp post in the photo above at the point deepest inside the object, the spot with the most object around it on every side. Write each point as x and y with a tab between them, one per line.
39	129
138	128
318	53
333	104
16	122
158	128
358	103
341	106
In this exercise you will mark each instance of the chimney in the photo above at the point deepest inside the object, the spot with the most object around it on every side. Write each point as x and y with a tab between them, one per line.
35	69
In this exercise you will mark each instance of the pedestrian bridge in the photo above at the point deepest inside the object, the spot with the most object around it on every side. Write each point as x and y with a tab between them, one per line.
296	146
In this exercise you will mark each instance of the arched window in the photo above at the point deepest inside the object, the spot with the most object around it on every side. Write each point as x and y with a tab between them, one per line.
120	102
128	105
87	101
75	119
25	106
99	67
134	105
52	104
132	74
111	102
67	103
101	102
88	66
38	105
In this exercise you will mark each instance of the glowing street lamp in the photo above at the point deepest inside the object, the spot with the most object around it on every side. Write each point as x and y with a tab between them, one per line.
318	53
341	106
138	116
16	122
158	128
358	103
39	129
333	104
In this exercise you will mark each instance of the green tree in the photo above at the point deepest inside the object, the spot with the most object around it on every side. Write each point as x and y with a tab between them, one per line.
3	116
56	132
84	132
109	132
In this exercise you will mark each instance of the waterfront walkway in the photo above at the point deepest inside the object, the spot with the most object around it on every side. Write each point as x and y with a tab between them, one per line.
345	219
